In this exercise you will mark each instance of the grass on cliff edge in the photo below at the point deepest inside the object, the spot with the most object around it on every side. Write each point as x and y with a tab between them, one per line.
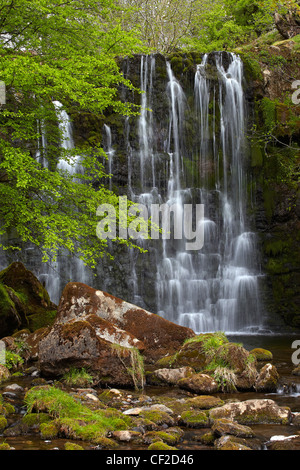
82	422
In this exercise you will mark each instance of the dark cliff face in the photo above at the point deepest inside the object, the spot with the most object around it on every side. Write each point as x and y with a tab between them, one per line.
272	71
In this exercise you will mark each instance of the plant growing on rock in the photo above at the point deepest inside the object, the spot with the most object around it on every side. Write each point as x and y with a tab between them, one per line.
77	378
136	368
70	418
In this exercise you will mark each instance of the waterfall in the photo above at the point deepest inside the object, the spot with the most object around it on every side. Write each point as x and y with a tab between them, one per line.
55	274
71	165
215	288
109	152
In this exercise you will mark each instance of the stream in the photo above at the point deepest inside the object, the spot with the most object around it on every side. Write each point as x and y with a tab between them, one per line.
288	394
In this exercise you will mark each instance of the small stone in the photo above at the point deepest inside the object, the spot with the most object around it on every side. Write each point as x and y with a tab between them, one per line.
91	396
14	388
133	411
126	436
158	407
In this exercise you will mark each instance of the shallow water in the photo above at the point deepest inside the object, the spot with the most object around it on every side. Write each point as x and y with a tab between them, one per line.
279	345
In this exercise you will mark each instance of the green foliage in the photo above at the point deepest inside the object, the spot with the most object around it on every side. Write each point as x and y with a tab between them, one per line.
226	378
63	51
71	417
210	342
12	360
136	369
77	378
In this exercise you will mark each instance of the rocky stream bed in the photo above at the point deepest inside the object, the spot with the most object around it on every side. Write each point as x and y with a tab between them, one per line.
163	417
108	375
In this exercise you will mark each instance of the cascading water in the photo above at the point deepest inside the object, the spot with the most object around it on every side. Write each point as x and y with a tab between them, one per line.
109	151
216	287
55	274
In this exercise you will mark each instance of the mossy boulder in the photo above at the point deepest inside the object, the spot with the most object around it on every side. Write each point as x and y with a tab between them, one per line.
231	443
106	443
76	344
160	445
4	446
49	430
262	354
158	335
72	446
191	354
204	402
158	417
194	419
3	423
284	443
24	301
233	355
171	436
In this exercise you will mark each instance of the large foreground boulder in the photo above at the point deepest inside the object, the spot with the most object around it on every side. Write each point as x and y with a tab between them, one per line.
159	336
75	344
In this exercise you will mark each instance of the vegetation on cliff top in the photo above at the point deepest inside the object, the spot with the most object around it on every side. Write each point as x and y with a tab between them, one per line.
54	51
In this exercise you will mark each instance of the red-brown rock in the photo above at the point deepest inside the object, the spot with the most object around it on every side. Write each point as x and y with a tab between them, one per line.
159	335
75	344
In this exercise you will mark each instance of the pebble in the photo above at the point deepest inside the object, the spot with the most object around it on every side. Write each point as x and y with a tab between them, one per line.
14	388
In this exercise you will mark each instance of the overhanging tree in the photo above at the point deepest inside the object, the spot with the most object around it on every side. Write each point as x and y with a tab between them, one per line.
65	51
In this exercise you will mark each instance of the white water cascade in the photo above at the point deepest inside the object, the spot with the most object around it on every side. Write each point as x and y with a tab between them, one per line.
109	151
215	288
64	269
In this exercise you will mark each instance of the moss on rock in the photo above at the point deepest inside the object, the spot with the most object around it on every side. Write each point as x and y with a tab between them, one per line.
262	354
159	445
194	419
